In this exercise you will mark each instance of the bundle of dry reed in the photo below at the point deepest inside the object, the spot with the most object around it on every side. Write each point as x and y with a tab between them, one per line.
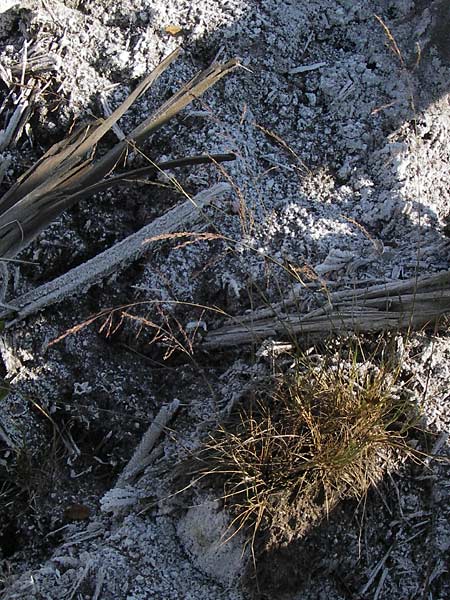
70	170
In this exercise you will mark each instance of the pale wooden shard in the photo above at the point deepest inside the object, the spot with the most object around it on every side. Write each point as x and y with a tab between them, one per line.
307	68
124	495
122	254
139	459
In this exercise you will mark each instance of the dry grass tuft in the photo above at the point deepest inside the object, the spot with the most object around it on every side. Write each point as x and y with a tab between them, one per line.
329	430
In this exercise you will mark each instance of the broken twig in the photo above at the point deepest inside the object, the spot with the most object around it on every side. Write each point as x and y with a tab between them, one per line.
139	461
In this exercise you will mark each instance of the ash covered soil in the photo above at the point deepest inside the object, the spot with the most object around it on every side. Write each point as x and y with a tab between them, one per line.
342	173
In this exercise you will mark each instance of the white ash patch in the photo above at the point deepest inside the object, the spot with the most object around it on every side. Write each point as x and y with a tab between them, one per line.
206	535
138	559
431	372
354	185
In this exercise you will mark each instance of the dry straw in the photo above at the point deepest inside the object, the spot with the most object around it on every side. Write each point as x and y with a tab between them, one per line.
70	171
331	427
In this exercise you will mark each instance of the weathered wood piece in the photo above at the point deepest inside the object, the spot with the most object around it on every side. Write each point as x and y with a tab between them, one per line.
396	305
139	460
181	218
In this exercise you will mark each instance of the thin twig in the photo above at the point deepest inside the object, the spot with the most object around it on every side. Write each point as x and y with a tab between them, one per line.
139	459
375	572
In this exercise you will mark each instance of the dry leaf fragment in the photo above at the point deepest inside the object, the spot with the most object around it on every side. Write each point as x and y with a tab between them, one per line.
173	30
69	171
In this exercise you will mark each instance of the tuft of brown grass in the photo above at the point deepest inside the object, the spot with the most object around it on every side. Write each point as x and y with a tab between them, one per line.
329	429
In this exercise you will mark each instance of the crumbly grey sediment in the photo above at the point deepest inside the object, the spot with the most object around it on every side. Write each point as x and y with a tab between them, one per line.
356	187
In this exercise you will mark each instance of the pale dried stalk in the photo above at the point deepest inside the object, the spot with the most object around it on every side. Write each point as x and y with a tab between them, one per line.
413	303
114	259
99	581
139	459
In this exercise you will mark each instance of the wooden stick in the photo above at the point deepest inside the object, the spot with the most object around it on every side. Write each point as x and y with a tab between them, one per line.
412	303
139	459
114	259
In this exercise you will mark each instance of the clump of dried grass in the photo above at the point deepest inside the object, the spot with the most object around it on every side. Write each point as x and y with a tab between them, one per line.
328	430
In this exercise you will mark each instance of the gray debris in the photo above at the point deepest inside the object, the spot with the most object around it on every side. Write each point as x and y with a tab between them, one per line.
341	183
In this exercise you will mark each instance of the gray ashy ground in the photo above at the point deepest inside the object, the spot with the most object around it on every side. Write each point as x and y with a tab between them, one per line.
358	187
